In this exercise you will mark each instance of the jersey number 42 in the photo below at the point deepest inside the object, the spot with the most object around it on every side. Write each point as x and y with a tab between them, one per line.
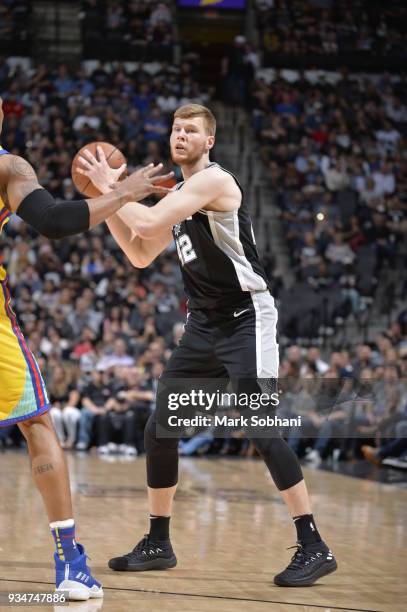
186	252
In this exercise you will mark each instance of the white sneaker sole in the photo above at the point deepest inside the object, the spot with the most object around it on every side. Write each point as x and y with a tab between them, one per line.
75	591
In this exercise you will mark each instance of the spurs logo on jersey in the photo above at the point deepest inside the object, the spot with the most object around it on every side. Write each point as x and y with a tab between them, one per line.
218	255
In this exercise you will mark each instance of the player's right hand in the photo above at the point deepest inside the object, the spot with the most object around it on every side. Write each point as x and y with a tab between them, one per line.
138	185
144	182
99	171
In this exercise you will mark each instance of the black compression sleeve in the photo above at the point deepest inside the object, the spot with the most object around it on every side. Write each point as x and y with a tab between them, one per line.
53	220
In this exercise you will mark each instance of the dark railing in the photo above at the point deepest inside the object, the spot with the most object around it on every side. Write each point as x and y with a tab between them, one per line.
354	61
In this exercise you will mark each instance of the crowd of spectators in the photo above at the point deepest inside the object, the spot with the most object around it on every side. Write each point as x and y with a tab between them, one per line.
15	26
51	113
352	401
336	163
360	33
136	30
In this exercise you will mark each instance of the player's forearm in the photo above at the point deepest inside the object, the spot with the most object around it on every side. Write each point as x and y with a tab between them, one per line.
60	219
104	206
139	251
127	240
140	219
37	206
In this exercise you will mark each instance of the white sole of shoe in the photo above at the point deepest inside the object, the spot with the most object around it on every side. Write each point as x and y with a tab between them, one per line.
78	592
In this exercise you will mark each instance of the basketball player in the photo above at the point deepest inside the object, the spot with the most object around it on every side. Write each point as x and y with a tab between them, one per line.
23	397
230	331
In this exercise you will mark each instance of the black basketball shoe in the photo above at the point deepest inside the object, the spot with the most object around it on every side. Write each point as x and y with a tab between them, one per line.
308	564
147	555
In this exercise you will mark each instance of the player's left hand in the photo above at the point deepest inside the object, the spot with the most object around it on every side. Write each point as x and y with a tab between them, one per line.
99	171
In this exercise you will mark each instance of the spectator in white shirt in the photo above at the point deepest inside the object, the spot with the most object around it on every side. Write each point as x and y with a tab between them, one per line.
119	357
384	180
86	118
338	251
396	111
161	14
387	138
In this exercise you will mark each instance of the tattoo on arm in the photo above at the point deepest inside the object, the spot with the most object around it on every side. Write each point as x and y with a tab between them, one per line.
20	180
40	469
21	168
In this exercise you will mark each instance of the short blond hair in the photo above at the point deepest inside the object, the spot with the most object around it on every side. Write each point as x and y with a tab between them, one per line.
189	111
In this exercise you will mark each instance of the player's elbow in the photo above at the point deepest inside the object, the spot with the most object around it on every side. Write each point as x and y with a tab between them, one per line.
138	260
53	228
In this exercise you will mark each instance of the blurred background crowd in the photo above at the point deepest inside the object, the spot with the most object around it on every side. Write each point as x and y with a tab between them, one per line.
359	31
333	158
127	29
335	153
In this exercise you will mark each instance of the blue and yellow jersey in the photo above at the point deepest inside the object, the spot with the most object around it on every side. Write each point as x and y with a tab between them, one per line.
4	217
22	390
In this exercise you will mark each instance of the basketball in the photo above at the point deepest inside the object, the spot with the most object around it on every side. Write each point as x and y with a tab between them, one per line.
83	184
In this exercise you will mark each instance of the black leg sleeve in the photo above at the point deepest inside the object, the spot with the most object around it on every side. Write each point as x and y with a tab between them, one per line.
282	462
161	457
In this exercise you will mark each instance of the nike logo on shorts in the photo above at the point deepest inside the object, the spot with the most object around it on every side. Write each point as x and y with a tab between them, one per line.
237	314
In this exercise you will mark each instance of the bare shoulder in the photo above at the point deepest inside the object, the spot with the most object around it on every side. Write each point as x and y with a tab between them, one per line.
222	193
213	179
4	169
18	179
20	168
15	167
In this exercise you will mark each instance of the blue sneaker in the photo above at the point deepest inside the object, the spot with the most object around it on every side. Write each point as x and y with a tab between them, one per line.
75	579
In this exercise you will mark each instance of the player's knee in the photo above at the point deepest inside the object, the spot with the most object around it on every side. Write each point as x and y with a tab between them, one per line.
154	445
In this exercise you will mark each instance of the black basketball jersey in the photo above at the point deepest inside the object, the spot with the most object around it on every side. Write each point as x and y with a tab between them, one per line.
218	256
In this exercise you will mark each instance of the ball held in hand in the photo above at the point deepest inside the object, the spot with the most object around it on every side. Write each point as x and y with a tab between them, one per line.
83	184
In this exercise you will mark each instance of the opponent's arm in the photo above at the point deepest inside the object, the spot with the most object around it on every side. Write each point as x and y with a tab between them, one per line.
36	206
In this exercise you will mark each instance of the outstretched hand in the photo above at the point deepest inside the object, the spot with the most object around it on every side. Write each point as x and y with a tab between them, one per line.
146	181
99	171
140	184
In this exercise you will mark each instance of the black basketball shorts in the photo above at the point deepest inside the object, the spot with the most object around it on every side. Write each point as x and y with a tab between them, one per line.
234	342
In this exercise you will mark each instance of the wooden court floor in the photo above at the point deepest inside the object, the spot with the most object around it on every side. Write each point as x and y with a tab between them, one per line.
230	533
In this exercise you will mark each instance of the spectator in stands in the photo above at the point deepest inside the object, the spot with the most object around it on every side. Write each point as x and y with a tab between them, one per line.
337	251
95	396
384	180
155	126
64	398
117	423
88	118
83	316
118	358
160	14
391	454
